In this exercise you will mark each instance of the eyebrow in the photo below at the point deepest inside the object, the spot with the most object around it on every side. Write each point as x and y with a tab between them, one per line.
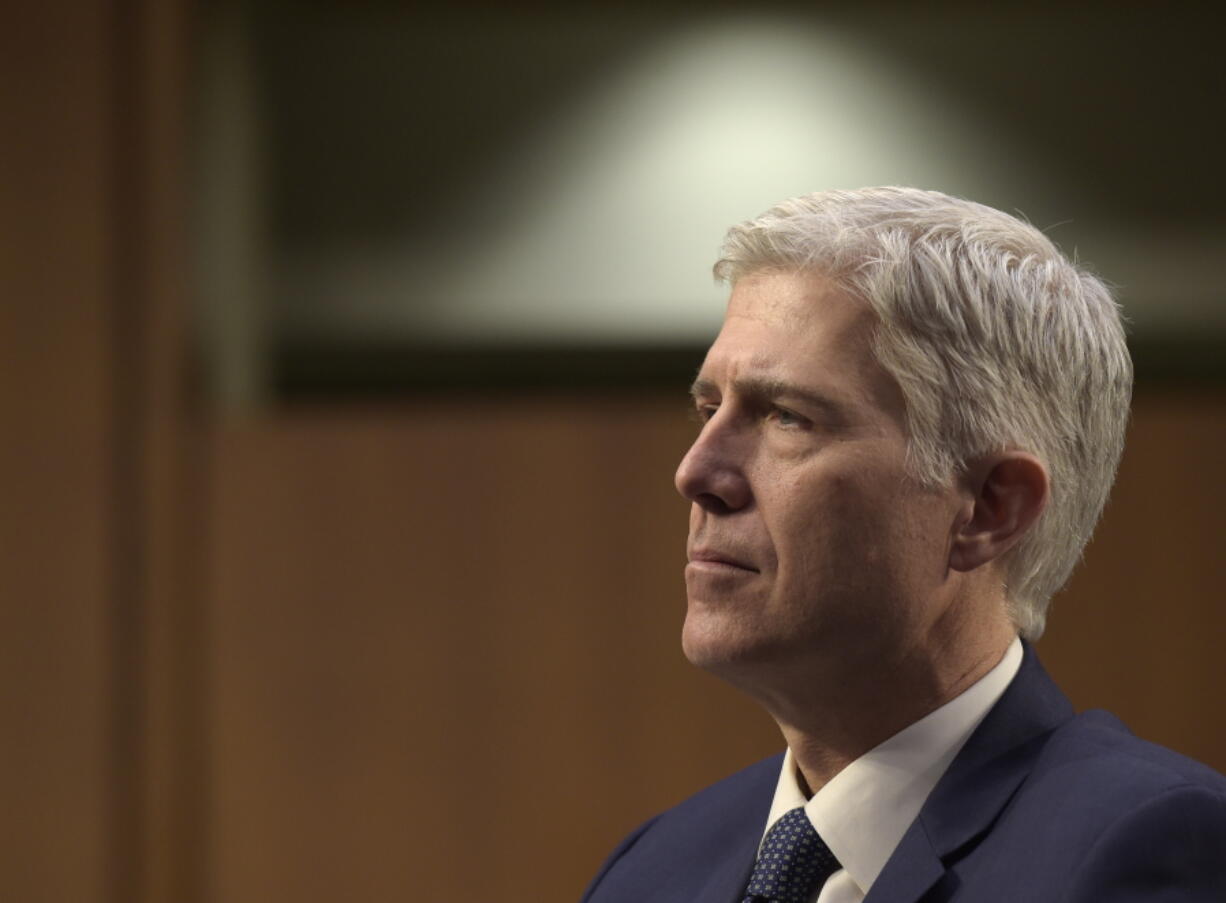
769	389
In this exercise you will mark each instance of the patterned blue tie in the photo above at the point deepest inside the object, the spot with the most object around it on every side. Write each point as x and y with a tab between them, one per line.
793	863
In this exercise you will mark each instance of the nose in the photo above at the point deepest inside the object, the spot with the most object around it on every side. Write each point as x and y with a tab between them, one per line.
712	475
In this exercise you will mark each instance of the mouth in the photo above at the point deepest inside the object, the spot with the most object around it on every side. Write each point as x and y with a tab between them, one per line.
712	560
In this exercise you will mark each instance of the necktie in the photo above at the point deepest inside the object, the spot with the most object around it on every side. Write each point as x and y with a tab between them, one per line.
794	861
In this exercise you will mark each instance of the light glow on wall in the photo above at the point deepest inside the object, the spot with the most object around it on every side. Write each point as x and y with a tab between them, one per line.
621	202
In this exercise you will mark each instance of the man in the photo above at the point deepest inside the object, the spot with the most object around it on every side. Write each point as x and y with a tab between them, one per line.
911	419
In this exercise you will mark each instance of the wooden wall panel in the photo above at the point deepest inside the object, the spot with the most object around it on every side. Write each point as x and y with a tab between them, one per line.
93	755
455	625
56	395
1139	630
449	626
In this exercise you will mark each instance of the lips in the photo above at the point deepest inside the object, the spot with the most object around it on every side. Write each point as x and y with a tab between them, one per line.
717	557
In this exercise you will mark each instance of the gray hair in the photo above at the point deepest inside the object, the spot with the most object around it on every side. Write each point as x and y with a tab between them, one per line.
996	339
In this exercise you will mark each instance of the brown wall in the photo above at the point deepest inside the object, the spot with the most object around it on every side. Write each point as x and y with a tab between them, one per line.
57	458
1139	628
92	758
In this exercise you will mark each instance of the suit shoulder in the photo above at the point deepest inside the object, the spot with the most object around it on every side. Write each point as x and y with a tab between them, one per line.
752	786
1106	757
1099	814
742	798
1172	842
673	854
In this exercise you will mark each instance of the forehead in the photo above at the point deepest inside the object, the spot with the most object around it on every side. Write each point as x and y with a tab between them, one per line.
793	320
796	298
801	329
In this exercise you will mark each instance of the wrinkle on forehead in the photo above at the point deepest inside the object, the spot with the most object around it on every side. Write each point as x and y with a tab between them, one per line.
790	295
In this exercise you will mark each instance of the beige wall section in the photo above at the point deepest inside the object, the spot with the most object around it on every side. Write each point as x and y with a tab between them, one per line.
453	627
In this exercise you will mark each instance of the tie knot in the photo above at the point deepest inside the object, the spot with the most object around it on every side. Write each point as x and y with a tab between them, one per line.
793	863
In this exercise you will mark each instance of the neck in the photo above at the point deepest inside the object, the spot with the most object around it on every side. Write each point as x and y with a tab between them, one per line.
851	714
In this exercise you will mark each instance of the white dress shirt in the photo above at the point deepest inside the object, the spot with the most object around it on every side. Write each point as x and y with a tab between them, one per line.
864	810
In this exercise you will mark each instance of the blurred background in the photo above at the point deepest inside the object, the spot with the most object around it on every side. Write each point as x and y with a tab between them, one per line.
345	352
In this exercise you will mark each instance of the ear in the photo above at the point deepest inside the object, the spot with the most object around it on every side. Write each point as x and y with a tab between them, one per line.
1007	493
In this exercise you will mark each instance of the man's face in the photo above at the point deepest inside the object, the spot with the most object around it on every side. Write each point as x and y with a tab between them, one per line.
808	544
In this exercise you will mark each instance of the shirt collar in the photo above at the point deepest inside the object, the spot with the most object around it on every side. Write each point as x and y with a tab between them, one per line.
864	810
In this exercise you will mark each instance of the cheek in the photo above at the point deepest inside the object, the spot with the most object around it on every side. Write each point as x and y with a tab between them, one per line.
926	539
823	523
842	503
843	533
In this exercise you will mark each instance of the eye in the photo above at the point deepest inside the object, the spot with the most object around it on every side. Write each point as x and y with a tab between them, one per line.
701	412
788	419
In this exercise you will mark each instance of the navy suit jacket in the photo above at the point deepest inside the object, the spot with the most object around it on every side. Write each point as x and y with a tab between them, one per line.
1040	806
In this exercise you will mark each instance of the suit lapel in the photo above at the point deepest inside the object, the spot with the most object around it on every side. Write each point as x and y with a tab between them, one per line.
911	871
980	781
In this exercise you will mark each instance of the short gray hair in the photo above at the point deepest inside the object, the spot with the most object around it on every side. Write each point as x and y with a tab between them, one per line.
997	340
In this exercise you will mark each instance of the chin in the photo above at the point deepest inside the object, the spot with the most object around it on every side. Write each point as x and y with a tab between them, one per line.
723	646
